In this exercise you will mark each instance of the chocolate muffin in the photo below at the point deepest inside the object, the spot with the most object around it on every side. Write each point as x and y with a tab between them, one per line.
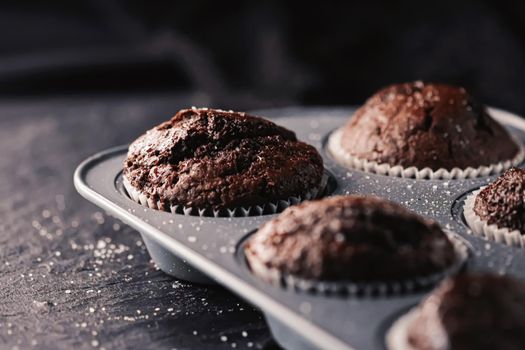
207	158
471	311
348	238
502	203
424	125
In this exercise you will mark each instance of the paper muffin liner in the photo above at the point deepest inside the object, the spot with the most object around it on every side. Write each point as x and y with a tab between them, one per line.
256	210
396	337
492	232
276	277
348	160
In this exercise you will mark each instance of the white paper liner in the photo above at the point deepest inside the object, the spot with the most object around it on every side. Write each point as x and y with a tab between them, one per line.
334	146
397	336
274	276
266	209
492	232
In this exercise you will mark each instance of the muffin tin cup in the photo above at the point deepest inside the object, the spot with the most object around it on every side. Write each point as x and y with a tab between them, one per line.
172	264
361	289
353	162
210	246
286	336
257	210
165	260
492	232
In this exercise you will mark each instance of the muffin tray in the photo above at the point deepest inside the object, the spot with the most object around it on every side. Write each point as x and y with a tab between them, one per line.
209	250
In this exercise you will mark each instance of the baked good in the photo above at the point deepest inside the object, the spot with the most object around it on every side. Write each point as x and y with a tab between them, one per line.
348	238
471	311
209	158
496	212
424	125
502	203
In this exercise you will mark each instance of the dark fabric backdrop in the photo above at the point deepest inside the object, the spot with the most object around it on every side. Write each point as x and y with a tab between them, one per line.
243	54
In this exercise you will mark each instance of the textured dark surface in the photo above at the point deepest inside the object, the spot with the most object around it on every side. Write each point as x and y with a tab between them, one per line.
426	125
204	158
72	277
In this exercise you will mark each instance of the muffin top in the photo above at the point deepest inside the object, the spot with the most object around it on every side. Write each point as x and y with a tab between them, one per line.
503	202
426	125
206	158
350	238
471	311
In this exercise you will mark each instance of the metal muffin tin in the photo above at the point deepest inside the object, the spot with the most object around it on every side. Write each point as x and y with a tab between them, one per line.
207	249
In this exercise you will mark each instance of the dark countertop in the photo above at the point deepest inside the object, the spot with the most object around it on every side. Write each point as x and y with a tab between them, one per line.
72	277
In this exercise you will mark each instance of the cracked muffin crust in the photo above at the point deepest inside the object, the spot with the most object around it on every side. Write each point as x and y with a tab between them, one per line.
426	125
354	238
471	311
206	158
503	201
